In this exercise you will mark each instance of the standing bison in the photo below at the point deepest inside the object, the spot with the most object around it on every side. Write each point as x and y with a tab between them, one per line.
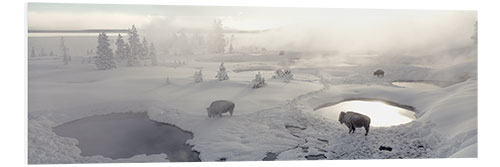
379	73
354	120
220	106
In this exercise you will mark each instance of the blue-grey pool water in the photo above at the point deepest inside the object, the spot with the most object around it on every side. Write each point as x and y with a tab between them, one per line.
123	135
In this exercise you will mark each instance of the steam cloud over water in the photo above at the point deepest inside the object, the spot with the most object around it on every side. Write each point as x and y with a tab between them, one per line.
285	28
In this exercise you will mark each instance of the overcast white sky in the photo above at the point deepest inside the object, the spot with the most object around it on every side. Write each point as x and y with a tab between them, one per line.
88	16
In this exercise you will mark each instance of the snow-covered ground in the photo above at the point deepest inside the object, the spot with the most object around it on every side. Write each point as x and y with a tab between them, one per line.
278	118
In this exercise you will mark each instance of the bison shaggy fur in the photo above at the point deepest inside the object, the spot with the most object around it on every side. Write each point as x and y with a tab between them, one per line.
354	120
220	106
379	73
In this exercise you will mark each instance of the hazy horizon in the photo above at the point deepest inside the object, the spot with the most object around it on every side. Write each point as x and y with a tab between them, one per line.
348	30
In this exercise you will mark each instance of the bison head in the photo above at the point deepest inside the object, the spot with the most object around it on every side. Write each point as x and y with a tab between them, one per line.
209	112
341	117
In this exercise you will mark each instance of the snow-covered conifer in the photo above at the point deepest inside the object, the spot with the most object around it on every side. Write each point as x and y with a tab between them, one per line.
42	53
135	47
198	43
65	52
230	47
152	55
105	58
217	41
182	44
145	49
198	76
285	74
167	81
120	51
259	81
32	54
222	74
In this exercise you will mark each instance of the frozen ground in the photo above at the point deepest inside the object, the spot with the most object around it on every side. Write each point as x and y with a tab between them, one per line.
277	119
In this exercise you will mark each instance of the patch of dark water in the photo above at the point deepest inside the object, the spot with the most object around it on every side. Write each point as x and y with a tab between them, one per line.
123	135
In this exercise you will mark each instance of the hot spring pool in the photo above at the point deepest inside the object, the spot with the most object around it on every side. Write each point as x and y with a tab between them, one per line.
380	113
123	135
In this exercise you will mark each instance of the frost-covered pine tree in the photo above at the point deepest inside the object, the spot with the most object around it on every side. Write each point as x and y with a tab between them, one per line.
43	53
32	54
65	52
231	47
186	47
145	49
285	74
127	52
217	41
135	50
222	74
152	55
120	52
167	81
259	81
198	77
105	58
172	44
198	43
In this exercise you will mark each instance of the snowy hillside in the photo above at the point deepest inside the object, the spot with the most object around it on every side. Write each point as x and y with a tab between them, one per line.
277	119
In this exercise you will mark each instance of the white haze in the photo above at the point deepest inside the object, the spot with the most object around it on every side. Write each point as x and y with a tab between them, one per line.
345	31
449	29
389	32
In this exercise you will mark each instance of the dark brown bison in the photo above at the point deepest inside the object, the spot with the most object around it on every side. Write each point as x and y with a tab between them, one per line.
220	106
379	73
281	53
354	120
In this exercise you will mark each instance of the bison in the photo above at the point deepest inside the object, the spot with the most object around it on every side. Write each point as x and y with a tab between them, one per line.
379	73
220	106
354	120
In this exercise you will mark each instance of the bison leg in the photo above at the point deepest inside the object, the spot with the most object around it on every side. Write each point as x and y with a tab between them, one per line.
352	128
231	109
367	128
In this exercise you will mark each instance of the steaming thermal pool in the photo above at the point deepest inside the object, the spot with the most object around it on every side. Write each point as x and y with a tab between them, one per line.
123	135
380	113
